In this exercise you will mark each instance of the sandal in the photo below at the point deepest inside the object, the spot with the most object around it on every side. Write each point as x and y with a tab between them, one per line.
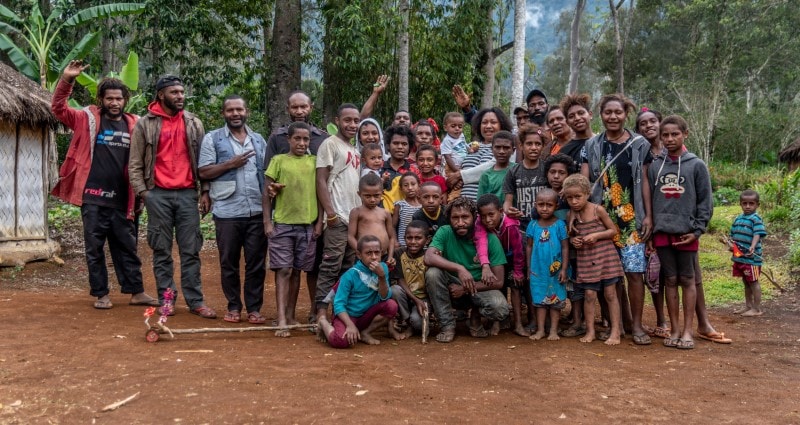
684	344
103	303
604	336
446	335
718	337
643	339
670	342
478	332
572	331
662	332
233	316
255	318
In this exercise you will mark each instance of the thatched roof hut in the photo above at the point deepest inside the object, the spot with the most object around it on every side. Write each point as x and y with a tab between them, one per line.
791	155
27	152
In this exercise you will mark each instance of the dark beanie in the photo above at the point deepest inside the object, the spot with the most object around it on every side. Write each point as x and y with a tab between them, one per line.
167	81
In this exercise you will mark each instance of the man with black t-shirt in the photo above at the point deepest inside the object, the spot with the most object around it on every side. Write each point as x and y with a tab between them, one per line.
94	176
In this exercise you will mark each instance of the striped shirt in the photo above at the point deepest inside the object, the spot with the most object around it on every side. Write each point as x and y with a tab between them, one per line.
744	228
599	260
406	212
472	160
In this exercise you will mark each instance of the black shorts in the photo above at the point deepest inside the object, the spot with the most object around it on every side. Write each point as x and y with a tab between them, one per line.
676	263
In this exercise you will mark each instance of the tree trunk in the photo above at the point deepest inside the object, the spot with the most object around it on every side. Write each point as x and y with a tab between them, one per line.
488	67
331	76
518	68
285	75
403	56
619	51
575	48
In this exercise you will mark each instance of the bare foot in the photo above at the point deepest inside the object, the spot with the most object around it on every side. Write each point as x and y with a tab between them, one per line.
538	335
589	337
553	336
394	333
322	324
741	310
521	331
752	313
495	328
283	333
369	339
613	339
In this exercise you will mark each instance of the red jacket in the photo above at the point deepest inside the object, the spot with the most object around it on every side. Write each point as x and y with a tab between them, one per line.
75	170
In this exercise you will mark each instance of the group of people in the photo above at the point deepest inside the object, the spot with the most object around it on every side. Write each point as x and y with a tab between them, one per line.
396	227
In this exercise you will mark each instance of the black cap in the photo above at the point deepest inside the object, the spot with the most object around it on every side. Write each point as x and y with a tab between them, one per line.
168	81
535	92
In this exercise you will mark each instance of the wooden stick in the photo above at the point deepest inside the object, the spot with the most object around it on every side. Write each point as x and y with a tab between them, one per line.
247	329
117	405
771	278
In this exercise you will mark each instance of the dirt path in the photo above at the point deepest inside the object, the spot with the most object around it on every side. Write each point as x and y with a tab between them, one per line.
62	361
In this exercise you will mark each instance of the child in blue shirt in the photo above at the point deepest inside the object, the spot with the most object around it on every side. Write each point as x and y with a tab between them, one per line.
363	300
746	234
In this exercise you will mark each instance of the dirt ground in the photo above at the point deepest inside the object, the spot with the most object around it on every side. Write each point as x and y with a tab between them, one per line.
61	361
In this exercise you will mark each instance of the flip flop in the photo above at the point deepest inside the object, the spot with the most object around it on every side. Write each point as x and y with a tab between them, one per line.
446	335
642	339
661	332
478	332
670	342
572	332
148	301
103	305
718	337
256	318
685	345
233	316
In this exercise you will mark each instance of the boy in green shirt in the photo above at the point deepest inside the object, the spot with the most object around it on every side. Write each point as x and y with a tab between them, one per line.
492	180
291	232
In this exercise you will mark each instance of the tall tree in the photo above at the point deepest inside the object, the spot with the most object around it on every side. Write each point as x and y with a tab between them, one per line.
619	52
285	62
575	47
403	57
518	68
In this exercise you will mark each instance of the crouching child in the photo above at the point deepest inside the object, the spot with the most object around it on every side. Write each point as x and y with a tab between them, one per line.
409	291
363	299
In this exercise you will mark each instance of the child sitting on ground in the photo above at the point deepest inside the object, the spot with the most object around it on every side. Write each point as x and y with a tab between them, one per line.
405	208
747	232
432	212
547	248
409	273
492	219
363	300
369	219
591	232
372	159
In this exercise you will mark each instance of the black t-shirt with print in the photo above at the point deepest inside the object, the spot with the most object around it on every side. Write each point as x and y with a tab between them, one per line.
107	184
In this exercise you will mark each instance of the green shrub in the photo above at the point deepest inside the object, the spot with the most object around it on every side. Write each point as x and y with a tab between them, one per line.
726	196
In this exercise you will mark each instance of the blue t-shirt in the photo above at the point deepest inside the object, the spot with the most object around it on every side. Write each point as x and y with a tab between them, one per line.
358	290
744	227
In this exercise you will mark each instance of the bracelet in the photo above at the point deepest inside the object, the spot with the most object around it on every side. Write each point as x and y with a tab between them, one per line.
331	218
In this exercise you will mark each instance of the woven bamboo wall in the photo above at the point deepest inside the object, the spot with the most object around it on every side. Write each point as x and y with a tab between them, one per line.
23	212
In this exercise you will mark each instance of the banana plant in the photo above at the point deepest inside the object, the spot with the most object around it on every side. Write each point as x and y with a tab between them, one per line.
32	55
129	75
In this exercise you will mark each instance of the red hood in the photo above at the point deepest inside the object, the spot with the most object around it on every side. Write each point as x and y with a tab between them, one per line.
155	108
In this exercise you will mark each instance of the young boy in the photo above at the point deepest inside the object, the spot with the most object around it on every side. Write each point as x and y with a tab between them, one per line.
368	219
454	145
680	188
492	180
746	234
409	292
506	228
291	234
526	178
371	159
363	300
431	213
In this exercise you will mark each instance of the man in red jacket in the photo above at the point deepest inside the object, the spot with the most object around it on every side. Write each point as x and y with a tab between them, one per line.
94	176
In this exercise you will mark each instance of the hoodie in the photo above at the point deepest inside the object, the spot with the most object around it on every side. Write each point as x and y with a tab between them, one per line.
360	145
681	194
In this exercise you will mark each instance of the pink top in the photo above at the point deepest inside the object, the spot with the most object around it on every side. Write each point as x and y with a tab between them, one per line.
510	238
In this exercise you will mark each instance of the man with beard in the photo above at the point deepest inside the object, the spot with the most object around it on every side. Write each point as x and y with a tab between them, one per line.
453	278
232	161
163	171
94	176
537	106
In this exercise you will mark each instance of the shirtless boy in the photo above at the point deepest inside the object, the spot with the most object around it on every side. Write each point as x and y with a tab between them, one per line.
369	219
